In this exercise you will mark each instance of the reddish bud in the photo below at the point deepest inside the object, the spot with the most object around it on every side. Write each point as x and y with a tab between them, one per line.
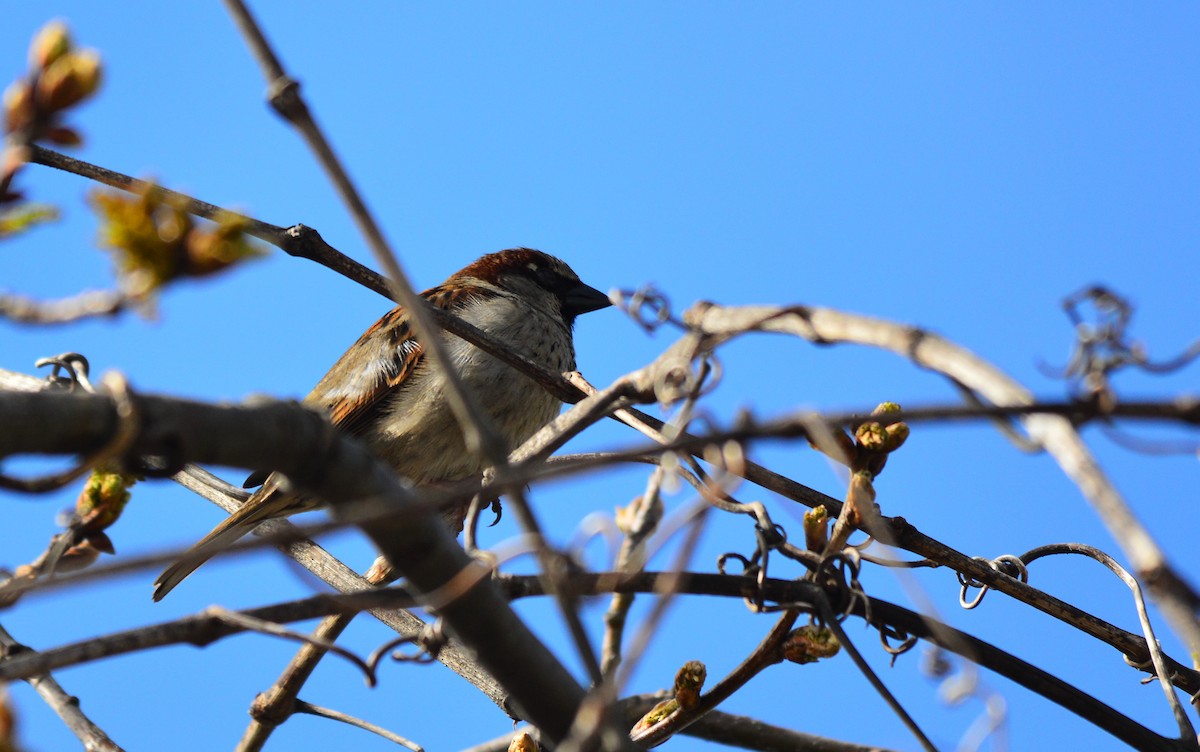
62	136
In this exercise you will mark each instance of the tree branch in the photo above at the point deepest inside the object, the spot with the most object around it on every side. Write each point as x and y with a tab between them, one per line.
323	462
202	628
1178	600
284	96
896	530
67	707
722	728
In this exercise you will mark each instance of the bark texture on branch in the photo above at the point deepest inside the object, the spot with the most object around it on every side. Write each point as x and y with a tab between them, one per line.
321	461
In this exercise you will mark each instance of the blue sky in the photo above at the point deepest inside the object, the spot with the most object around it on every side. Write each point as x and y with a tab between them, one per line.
960	167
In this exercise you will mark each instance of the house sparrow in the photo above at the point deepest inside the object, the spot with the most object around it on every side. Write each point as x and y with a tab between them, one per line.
383	391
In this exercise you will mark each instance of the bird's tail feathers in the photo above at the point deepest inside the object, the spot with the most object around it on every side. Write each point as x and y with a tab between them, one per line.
233	528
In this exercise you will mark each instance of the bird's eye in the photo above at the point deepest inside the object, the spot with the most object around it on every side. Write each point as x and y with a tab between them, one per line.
548	278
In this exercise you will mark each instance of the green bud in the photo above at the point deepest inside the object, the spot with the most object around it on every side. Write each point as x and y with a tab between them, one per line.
810	644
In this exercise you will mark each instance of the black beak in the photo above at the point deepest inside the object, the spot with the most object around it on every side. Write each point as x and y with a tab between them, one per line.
583	299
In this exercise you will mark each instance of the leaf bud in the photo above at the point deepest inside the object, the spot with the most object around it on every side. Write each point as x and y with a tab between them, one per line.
49	44
689	680
69	80
809	644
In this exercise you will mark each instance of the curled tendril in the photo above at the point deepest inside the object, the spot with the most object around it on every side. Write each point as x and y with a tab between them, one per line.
1011	566
712	371
888	633
1103	346
750	568
674	381
1006	564
74	364
429	642
838	576
772	537
839	573
748	565
591	527
935	664
767	539
1145	665
648	307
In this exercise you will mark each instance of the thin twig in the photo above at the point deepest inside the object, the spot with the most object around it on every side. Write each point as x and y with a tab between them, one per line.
831	621
696	517
766	654
900	534
1157	658
1178	600
196	630
63	704
719	727
275	705
554	568
642	518
334	715
306	243
274	629
329	465
91	304
284	96
200	629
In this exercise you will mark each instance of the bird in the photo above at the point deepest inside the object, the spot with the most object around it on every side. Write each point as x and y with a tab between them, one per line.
385	392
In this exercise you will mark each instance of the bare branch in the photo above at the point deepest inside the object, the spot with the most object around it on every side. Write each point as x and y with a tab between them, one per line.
333	715
1158	660
640	520
307	243
67	707
899	533
95	303
314	641
895	531
1177	598
276	705
721	728
284	96
332	467
831	621
202	628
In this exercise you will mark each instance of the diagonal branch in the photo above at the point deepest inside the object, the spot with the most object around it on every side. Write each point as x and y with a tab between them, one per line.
284	96
203	628
334	715
274	706
719	727
1179	601
67	707
304	242
896	531
329	465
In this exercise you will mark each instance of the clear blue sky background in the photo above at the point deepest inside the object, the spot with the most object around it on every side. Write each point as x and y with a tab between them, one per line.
960	167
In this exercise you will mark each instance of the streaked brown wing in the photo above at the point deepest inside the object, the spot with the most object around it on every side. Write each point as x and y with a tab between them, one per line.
380	362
